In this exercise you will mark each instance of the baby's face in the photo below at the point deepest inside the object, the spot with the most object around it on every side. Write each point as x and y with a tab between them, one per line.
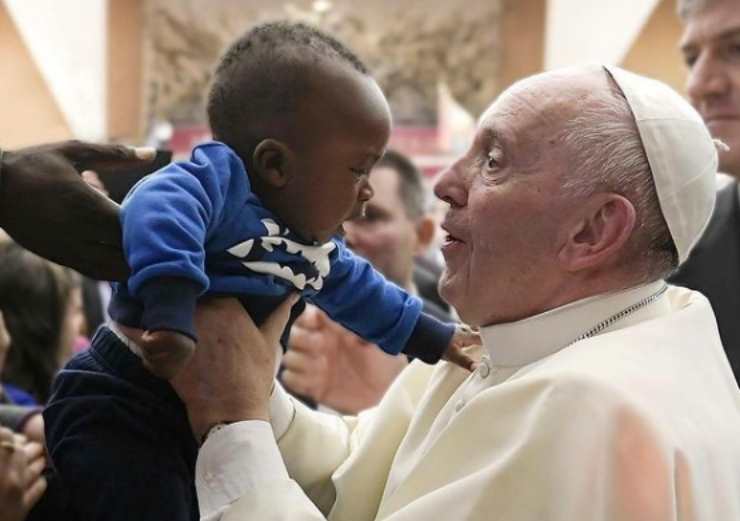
346	130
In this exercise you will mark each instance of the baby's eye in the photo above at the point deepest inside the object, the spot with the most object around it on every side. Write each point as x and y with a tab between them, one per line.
732	52
689	59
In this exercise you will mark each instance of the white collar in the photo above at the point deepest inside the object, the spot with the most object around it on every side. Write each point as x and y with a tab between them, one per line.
522	342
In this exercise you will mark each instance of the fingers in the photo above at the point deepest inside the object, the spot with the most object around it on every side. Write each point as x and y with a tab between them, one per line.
305	373
304	362
274	325
464	337
92	178
33	450
34	492
308	341
90	156
467	336
34	482
22	482
311	318
459	357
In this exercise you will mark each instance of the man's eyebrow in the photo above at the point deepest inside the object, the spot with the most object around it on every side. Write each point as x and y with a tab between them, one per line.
727	34
489	136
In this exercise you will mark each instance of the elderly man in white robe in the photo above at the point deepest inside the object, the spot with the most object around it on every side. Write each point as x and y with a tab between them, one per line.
601	392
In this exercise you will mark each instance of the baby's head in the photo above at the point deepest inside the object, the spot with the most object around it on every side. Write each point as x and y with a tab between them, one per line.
306	118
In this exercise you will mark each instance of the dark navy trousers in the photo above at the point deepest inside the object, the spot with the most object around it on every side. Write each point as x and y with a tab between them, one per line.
119	440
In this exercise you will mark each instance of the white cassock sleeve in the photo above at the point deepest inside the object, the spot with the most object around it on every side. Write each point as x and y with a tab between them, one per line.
556	447
240	473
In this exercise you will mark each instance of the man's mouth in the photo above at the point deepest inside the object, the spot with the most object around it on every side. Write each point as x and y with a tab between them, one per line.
451	242
720	117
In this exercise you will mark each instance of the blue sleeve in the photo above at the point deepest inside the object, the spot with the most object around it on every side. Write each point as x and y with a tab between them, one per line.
362	300
166	220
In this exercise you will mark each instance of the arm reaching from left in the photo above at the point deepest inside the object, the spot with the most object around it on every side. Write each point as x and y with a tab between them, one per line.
78	226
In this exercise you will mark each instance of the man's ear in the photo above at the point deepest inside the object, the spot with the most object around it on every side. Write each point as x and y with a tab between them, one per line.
425	228
273	162
599	235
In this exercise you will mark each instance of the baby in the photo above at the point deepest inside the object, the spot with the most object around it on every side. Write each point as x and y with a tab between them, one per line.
256	214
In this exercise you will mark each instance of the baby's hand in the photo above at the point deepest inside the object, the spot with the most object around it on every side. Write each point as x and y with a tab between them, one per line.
165	352
463	338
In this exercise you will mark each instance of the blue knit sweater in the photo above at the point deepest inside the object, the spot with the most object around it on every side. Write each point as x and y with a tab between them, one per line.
196	227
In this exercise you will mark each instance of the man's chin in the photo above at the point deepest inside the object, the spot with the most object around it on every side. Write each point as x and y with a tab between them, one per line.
446	288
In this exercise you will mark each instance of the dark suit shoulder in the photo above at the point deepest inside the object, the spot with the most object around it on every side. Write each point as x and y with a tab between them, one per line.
713	268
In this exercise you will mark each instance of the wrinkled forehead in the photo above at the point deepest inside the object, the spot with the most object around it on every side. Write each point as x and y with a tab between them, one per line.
516	110
535	105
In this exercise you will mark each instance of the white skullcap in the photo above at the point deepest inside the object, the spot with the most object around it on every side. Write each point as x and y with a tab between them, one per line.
681	153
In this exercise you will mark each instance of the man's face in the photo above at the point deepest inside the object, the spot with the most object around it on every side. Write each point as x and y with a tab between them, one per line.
341	132
711	49
503	223
386	236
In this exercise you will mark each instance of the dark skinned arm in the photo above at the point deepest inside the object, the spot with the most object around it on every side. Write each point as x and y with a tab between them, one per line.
48	208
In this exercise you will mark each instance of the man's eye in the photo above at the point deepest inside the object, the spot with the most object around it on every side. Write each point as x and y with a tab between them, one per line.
733	51
689	60
359	172
492	159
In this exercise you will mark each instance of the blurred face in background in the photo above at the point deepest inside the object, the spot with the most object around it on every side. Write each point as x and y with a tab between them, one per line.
41	304
387	236
711	48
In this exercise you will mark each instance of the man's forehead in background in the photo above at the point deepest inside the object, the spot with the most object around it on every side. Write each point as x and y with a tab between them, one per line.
716	22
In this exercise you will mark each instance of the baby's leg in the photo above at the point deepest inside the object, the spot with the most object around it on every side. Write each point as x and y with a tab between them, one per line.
119	438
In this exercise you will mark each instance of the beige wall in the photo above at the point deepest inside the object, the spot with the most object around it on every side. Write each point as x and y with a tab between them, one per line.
124	68
29	112
523	39
655	51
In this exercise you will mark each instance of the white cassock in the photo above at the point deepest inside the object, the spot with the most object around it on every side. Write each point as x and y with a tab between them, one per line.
639	422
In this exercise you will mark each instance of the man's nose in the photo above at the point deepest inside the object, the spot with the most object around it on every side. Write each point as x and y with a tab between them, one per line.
707	79
450	187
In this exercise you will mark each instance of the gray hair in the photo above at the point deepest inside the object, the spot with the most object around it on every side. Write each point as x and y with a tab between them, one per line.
607	156
688	8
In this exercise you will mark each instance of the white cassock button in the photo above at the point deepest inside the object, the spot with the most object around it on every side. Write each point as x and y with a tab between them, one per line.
484	367
459	405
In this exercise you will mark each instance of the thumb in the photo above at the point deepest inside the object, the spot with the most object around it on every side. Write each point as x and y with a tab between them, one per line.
468	335
272	328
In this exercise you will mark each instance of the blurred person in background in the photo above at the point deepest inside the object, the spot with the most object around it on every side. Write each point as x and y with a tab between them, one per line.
21	450
42	307
711	48
331	365
23	419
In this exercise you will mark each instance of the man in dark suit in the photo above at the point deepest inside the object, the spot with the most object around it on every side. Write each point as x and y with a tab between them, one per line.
711	49
329	364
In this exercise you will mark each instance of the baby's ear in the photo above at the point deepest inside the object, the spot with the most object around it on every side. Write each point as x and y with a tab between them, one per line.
273	162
